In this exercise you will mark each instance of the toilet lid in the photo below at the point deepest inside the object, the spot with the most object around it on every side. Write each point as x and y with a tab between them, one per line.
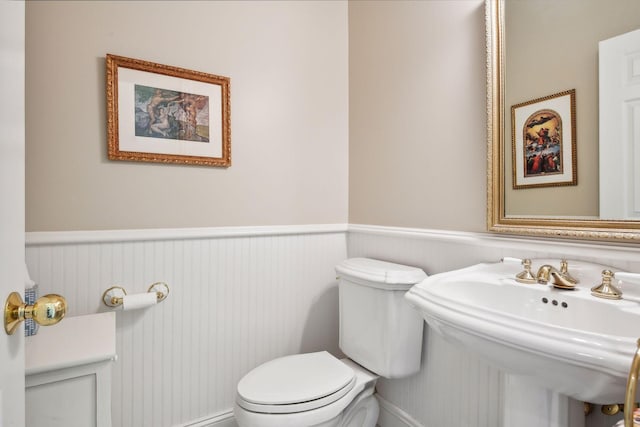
295	383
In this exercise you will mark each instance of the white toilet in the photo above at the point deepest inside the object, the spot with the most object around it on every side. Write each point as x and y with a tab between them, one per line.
379	331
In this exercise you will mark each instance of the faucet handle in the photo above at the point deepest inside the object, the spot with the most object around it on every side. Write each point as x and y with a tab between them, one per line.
526	276
564	270
606	289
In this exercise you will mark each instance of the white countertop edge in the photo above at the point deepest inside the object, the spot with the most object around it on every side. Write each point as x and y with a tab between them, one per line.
38	369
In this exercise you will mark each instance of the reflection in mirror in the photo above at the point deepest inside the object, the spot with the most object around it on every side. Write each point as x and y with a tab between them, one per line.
537	49
619	82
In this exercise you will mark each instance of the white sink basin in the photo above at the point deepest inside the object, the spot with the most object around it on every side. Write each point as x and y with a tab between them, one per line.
574	344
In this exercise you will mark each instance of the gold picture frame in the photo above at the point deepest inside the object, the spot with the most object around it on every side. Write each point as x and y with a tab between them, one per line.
544	141
164	114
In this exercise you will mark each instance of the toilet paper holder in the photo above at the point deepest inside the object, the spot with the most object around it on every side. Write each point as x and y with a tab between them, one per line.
113	296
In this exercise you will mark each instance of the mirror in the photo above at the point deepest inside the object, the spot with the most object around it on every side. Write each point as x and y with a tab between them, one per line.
537	49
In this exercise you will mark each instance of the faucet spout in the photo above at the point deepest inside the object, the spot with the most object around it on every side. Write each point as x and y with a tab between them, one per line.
544	273
558	278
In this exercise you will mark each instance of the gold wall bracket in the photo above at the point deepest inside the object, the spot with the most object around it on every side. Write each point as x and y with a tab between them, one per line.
612	408
113	296
47	310
161	289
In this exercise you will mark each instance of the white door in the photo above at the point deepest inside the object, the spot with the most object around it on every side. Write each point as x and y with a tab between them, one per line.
620	127
11	204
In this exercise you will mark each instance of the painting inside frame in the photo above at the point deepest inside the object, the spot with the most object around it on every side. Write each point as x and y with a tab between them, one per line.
160	113
544	141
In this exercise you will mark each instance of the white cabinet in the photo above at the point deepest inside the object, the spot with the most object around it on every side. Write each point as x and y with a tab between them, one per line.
68	373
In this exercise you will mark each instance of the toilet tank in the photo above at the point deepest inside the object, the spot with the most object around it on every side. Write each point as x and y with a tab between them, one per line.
378	328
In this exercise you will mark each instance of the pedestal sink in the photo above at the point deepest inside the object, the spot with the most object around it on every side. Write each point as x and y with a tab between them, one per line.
566	341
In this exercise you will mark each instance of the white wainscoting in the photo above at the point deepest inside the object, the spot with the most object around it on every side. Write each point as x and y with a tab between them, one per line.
241	296
454	387
238	297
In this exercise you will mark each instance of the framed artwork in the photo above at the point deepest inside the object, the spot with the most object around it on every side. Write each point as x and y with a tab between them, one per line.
544	141
159	113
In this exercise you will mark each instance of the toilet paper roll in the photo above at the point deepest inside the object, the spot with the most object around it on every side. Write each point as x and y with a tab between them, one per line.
137	301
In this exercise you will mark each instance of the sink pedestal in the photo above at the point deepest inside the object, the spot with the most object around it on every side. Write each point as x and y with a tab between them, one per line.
529	405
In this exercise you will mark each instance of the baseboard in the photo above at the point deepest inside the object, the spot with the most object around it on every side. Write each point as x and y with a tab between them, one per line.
221	419
392	416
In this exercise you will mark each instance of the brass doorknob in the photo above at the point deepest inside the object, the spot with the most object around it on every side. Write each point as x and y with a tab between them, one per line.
47	310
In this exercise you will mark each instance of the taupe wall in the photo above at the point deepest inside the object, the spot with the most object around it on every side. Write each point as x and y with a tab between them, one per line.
397	138
417	139
289	93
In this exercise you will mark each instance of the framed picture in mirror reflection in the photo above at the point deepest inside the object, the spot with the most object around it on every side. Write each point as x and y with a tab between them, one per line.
544	141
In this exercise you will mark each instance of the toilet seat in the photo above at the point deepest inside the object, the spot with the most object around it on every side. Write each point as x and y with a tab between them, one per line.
324	416
297	383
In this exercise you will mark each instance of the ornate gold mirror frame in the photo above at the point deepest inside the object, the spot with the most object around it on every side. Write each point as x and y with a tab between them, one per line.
497	221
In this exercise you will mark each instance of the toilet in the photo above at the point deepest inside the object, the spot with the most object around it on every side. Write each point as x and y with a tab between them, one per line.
380	334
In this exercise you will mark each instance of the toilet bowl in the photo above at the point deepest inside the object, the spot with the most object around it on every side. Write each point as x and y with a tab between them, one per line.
379	331
312	389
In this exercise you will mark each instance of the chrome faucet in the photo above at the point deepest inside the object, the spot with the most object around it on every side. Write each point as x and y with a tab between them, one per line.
559	278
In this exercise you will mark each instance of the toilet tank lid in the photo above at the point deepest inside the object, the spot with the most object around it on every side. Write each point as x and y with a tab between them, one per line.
381	272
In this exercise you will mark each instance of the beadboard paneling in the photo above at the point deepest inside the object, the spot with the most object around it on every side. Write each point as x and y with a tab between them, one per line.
241	296
236	300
